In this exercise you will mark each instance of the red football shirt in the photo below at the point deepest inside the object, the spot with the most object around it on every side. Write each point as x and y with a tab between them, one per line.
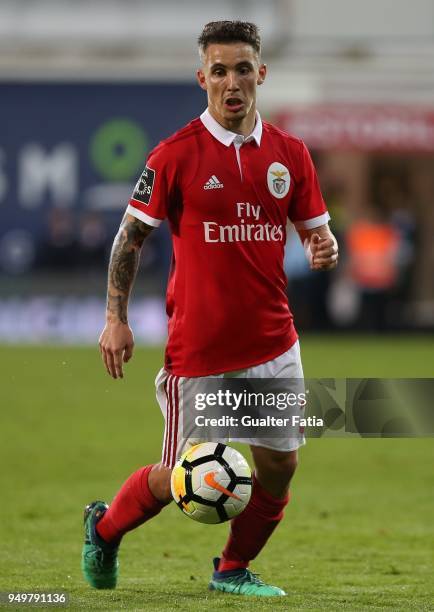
227	199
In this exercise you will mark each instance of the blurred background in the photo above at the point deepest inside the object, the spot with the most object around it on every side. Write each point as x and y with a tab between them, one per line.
88	88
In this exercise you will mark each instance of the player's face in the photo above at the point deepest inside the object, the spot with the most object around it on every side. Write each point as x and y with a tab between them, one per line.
230	74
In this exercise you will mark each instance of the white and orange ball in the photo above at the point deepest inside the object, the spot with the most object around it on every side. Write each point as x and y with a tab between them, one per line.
211	483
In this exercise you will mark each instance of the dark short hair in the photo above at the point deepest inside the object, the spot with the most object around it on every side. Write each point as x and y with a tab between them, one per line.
230	32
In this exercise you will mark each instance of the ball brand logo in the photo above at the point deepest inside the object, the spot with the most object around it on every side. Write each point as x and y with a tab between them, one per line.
212	482
278	180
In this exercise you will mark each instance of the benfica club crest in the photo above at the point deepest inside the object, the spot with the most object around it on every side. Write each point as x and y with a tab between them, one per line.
278	180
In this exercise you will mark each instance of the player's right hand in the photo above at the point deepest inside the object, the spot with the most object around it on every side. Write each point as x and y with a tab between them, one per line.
116	345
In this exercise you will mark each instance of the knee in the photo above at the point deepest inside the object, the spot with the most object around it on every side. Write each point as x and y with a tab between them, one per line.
284	464
159	483
277	464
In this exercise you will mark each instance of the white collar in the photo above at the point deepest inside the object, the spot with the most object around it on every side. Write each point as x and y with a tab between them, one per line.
227	137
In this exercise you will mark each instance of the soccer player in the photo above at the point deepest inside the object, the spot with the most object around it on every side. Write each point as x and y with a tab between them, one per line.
227	183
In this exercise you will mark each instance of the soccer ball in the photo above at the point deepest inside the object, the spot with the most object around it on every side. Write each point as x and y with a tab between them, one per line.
211	483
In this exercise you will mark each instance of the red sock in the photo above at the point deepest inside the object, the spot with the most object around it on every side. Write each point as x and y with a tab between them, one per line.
251	530
133	505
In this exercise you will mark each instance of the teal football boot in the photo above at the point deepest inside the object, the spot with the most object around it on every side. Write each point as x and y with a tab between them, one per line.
99	560
241	582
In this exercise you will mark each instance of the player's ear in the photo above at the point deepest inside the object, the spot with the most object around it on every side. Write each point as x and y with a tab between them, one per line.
200	75
262	74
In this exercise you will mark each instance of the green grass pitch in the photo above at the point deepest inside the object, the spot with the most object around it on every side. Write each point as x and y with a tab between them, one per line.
358	533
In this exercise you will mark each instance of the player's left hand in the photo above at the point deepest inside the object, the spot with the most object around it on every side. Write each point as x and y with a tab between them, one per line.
324	252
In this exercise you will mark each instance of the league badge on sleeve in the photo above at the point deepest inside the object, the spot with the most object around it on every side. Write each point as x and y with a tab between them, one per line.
145	184
278	180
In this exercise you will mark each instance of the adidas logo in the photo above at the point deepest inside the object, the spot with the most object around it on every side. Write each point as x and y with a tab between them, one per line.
213	183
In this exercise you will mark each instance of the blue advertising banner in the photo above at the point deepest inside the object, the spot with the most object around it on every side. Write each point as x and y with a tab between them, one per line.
71	149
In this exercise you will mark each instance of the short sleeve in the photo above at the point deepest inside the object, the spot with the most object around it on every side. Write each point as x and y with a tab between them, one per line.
307	209
152	194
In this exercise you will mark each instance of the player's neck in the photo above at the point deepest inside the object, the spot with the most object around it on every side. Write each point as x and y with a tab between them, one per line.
244	126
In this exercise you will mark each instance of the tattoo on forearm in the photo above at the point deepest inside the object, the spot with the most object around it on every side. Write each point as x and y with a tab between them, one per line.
123	266
117	305
124	261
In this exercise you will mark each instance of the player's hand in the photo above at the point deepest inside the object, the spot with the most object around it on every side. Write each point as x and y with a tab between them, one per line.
116	344
324	252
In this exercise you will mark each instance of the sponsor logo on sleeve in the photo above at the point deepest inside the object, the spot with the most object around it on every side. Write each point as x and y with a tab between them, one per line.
278	180
145	184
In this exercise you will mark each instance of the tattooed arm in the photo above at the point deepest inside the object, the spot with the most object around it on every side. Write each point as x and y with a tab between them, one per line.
116	341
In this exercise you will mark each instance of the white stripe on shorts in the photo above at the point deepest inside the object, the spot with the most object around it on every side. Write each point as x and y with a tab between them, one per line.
167	386
174	423
170	444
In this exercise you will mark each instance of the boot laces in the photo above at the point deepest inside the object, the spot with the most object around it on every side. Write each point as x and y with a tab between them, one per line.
248	576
